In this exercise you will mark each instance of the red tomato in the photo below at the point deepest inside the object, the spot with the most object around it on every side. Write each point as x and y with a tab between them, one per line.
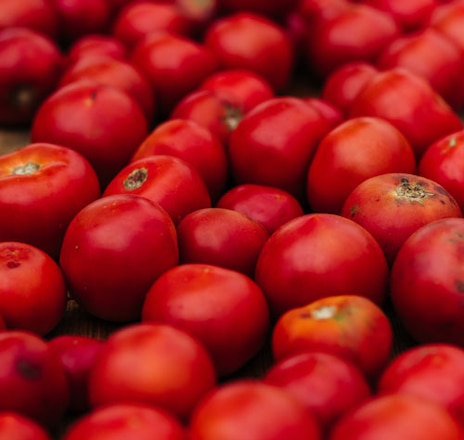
350	326
33	381
126	421
155	364
102	123
443	162
224	309
397	416
14	426
432	371
274	143
169	181
26	80
392	206
221	237
77	354
426	286
245	40
32	288
424	117
327	110
448	18
194	144
355	150
112	252
252	410
269	206
318	255
175	66
49	184
328	385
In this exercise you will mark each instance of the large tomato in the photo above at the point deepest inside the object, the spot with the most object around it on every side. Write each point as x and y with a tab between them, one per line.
318	255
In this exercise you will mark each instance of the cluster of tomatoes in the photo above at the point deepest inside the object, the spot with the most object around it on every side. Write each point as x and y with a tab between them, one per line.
180	185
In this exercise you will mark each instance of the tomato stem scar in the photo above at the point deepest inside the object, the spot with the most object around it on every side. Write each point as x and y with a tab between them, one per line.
27	169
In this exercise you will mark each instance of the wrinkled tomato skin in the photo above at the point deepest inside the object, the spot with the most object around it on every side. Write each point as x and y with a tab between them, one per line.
392	206
426	282
318	255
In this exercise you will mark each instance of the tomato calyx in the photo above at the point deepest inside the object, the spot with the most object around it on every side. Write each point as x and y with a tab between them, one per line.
412	192
135	179
26	169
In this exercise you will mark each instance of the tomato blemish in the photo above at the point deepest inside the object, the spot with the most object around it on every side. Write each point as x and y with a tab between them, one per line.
135	179
325	312
459	284
412	192
25	170
27	369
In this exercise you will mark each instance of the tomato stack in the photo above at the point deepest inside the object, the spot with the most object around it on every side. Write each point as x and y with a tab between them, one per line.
259	202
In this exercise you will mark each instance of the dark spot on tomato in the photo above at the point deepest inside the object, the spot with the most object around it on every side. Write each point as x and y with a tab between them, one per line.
459	284
13	264
354	210
28	369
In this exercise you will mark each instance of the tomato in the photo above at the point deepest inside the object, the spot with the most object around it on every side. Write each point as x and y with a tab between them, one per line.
246	40
355	150
426	286
269	206
251	410
274	143
32	380
126	421
319	255
442	162
14	426
328	385
169	181
392	206
77	354
101	122
424	117
332	114
221	237
193	143
168	368
112	252
49	184
26	80
397	416
224	309
431	371
350	326
448	19
32	288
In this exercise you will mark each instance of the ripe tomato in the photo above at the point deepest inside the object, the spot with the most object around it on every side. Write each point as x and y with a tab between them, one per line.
318	255
169	181
355	150
251	410
112	252
221	237
49	184
443	163
224	309
328	385
14	426
427	282
397	416
448	19
32	288
392	206
152	363
126	421
350	326
431	371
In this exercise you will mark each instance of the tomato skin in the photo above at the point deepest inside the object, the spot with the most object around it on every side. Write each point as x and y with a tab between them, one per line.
14	426
169	181
425	282
49	183
392	206
221	237
397	416
344	325
32	289
443	162
328	385
175	373
224	309
126	421
243	410
355	150
448	19
113	250
318	255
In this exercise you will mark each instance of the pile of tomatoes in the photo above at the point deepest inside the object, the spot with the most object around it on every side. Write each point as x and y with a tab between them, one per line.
225	179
